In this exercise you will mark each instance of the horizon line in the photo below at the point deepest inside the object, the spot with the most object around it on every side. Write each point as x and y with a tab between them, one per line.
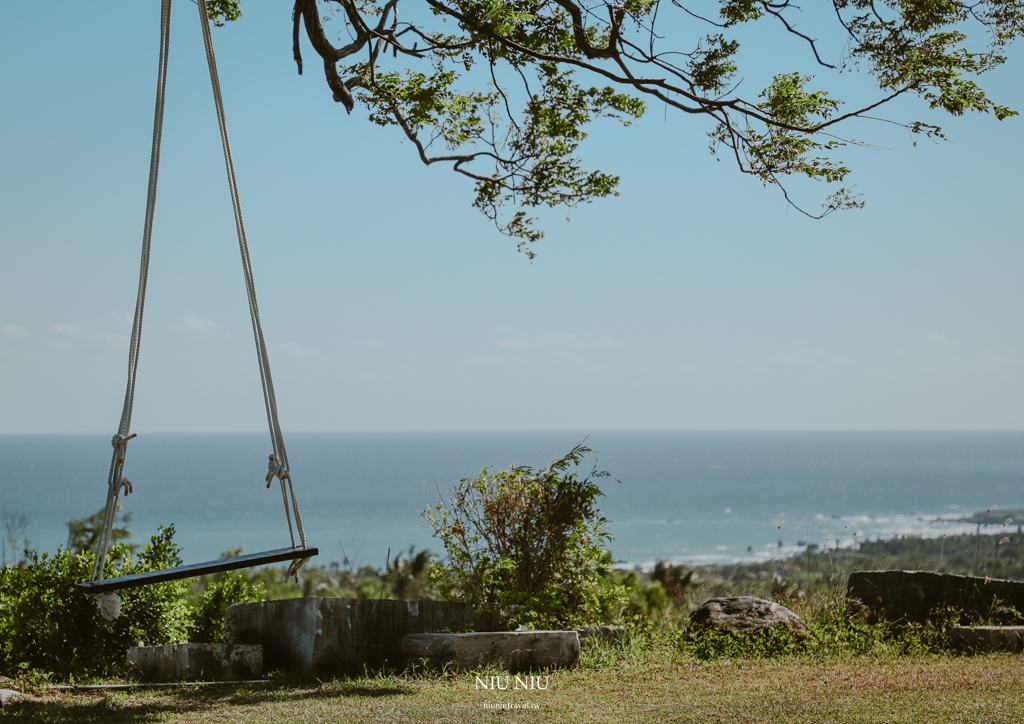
566	431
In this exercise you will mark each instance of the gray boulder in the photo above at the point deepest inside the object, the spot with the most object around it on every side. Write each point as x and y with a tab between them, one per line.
745	614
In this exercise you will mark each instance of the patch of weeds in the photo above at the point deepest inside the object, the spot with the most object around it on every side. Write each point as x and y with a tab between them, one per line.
642	642
31	681
835	629
838	629
933	637
707	644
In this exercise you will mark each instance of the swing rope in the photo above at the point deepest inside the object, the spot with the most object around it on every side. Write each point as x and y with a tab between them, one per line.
277	466
116	480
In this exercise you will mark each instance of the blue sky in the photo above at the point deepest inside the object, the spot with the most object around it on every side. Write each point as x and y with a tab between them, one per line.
693	301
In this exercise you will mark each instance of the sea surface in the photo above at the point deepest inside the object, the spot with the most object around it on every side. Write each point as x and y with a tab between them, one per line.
686	497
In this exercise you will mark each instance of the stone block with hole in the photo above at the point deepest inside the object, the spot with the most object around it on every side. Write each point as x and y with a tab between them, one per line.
340	635
195	662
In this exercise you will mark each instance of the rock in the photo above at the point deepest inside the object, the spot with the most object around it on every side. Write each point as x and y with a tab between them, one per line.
508	650
608	634
988	639
915	595
745	614
339	635
196	662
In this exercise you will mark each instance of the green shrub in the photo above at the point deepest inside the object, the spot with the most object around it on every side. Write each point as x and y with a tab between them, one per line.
408	576
528	543
647	598
674	579
48	625
208	615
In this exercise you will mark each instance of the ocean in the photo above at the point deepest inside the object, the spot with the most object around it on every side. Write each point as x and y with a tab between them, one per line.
682	496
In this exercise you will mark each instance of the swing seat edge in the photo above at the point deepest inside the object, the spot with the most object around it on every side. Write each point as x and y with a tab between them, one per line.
193	570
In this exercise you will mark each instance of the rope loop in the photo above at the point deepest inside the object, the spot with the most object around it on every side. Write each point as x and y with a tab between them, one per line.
293	569
120	441
277	470
120	444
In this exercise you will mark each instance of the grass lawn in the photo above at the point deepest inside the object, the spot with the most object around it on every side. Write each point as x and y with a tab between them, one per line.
855	689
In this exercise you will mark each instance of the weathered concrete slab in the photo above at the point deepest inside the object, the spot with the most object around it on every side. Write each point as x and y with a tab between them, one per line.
915	595
340	635
196	662
988	639
10	695
13	696
509	650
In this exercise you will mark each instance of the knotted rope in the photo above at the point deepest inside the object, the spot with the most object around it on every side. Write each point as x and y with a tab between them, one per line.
278	465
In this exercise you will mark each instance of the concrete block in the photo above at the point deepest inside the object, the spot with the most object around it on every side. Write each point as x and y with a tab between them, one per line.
196	662
339	635
915	595
988	639
509	650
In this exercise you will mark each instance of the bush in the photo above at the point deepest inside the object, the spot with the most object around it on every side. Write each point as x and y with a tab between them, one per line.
530	542
48	625
674	579
227	589
408	577
646	598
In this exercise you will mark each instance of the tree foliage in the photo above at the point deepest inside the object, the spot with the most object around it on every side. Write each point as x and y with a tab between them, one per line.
84	533
504	90
15	537
529	541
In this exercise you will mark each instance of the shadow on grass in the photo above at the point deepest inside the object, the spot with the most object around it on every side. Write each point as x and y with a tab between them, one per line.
327	690
154	705
93	709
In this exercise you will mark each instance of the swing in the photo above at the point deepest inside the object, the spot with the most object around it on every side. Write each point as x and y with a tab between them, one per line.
278	463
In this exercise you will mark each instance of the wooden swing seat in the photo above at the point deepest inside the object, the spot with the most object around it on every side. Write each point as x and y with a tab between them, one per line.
193	570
